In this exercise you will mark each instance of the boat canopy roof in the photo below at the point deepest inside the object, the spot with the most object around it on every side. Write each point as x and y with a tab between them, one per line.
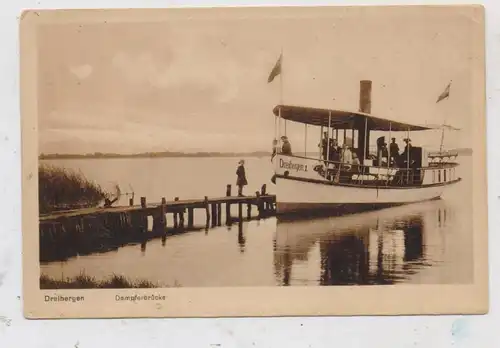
342	119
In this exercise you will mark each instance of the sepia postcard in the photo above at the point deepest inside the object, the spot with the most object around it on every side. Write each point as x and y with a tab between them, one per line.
272	161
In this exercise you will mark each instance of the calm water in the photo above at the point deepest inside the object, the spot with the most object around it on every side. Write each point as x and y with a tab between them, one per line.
421	243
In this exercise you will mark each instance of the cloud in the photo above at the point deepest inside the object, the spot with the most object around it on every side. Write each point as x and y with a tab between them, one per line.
82	71
214	72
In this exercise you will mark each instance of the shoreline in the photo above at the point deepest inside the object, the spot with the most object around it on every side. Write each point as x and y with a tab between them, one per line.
153	155
255	154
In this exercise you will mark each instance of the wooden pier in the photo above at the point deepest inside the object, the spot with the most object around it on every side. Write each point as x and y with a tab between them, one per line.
67	233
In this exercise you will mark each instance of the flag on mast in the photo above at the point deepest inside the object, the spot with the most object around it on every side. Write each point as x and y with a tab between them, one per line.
276	70
445	94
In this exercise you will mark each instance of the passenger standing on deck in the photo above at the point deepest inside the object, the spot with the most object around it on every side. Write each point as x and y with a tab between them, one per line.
241	179
406	155
393	151
335	151
346	156
385	155
286	148
324	146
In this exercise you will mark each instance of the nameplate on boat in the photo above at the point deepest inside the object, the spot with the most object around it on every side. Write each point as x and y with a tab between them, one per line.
298	167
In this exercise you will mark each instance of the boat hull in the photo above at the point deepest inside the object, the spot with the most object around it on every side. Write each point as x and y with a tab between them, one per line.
294	196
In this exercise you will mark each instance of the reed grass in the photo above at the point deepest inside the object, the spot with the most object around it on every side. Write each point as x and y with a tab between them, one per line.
84	281
61	188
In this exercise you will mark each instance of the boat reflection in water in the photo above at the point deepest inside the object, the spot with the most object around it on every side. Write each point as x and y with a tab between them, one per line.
380	247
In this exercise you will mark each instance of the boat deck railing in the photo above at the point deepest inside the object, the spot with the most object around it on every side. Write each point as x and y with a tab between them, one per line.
443	154
442	157
385	175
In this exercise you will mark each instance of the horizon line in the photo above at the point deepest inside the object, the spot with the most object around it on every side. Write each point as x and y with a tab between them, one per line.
98	153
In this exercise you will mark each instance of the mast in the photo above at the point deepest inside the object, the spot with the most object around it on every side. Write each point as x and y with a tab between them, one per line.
365	106
279	123
442	96
328	143
281	81
305	141
366	136
321	143
389	149
442	140
281	77
408	156
277	70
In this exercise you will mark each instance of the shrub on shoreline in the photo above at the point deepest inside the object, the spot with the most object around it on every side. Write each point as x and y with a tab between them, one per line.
84	281
61	188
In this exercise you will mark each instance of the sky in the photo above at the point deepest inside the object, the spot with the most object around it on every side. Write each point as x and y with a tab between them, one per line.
200	83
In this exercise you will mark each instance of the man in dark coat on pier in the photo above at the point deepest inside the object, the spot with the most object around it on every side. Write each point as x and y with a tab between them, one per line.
241	179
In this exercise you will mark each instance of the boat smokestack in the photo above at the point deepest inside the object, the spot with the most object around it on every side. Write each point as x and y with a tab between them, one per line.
365	106
365	96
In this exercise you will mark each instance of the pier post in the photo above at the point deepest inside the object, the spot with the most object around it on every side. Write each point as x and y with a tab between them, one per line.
176	215
214	214
263	190
228	205
143	202
145	229
241	237
249	211
207	211
240	211
164	215
259	204
219	213
228	213
176	221
159	221
190	217
181	218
